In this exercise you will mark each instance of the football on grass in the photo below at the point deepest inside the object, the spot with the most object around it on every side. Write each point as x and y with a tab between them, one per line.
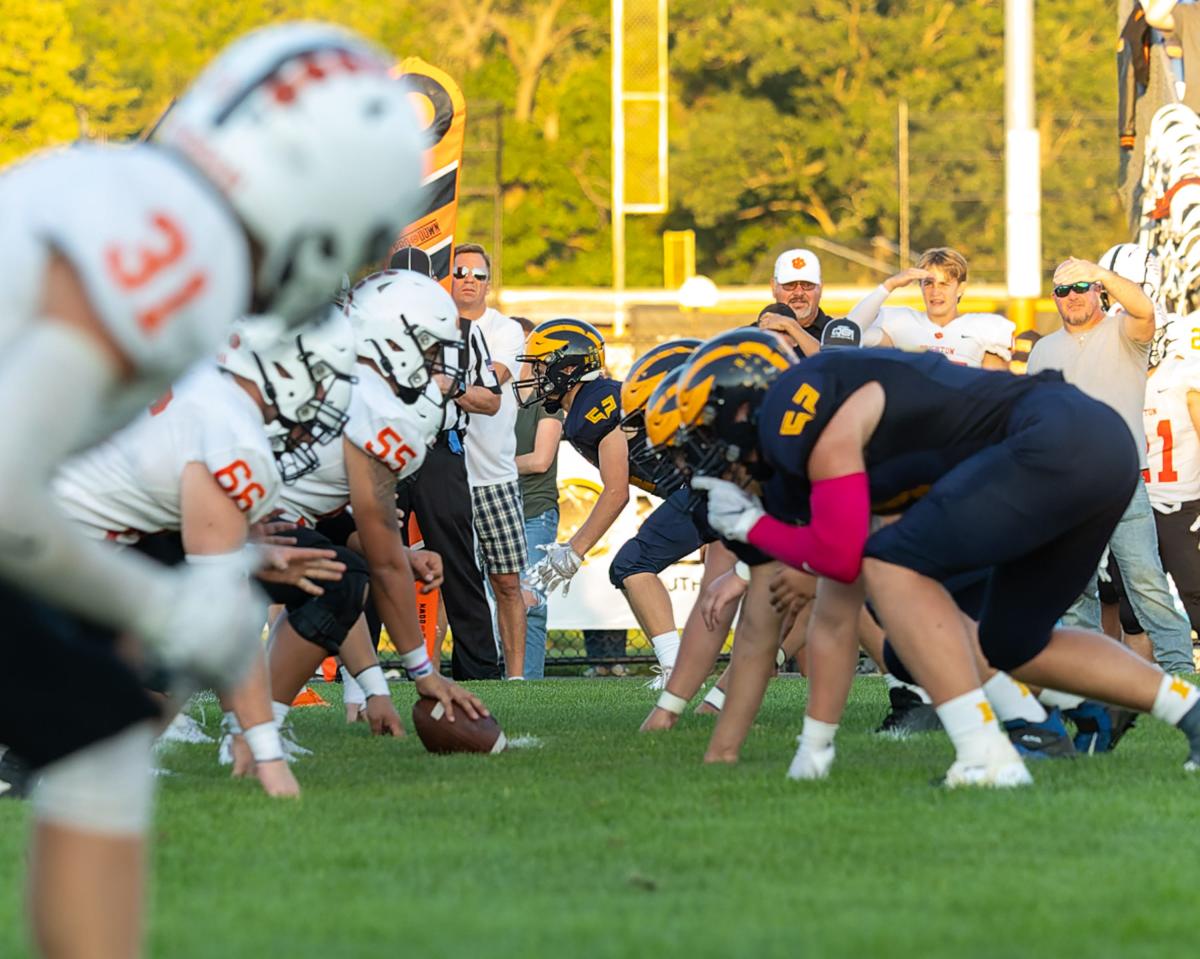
464	735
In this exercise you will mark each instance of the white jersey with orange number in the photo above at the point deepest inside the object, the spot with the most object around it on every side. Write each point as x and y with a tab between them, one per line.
379	424
1172	447
965	339
129	485
164	261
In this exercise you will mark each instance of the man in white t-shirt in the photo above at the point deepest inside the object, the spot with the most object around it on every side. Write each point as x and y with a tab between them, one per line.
491	449
972	339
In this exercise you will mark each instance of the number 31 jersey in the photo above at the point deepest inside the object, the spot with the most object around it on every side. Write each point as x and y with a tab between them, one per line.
130	484
381	425
162	257
1172	447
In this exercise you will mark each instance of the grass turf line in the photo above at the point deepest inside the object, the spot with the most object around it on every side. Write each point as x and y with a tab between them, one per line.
605	843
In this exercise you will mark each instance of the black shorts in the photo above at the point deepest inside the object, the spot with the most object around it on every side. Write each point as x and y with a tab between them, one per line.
1037	509
666	536
62	685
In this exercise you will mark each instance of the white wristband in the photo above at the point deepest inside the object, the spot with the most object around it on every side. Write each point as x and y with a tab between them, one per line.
416	663
264	742
671	703
715	697
742	571
373	682
240	561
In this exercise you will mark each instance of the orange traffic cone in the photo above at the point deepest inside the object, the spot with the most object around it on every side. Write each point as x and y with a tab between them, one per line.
308	697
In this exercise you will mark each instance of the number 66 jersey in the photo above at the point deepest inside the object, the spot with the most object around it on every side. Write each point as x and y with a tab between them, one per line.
130	485
381	425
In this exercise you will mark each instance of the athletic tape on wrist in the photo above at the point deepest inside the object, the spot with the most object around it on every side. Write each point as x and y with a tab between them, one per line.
416	663
715	697
373	682
264	742
671	703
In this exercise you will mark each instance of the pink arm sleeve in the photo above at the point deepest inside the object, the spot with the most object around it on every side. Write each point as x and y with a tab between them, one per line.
832	543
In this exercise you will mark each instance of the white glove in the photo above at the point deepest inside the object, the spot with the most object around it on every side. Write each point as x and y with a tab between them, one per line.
809	763
555	569
732	512
209	626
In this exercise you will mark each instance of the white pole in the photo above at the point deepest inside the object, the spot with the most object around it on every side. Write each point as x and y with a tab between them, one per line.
1022	170
618	165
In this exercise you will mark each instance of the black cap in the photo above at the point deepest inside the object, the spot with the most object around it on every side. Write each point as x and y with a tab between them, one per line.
839	334
779	309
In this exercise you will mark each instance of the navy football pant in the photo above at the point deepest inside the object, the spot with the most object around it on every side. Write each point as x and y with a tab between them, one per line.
1036	509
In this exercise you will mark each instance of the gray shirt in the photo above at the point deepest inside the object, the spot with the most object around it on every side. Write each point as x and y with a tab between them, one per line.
1106	364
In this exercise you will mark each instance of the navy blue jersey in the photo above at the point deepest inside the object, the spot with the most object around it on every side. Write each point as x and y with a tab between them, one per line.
596	412
936	415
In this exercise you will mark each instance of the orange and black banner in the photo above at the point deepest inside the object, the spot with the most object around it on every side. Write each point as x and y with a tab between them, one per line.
443	110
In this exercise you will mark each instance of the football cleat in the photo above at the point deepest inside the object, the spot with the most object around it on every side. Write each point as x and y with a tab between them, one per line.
1048	739
909	714
1003	769
225	750
292	750
16	779
1098	727
662	675
184	729
808	764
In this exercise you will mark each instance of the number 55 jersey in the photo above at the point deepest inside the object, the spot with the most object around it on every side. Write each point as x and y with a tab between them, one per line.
129	486
382	426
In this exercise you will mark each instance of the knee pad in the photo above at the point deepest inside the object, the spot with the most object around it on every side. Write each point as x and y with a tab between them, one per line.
627	562
1006	654
107	787
326	619
895	666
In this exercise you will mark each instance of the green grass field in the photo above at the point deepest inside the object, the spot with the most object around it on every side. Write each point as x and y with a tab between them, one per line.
601	842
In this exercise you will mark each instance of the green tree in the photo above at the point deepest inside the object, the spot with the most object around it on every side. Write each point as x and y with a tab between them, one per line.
50	92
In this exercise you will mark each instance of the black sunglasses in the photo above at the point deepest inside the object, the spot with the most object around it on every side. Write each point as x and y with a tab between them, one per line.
461	273
1081	287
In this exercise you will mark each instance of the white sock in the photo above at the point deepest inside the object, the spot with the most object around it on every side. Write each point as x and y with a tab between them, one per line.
280	711
666	648
1052	698
971	725
816	735
894	683
1175	697
1013	700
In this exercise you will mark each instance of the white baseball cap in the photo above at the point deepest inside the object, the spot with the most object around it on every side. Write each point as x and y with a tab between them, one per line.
793	265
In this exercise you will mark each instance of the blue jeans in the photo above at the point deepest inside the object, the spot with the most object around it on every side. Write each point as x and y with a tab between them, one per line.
1134	545
540	530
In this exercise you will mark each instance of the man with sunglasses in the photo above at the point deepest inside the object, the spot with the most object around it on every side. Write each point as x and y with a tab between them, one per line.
796	282
491	449
1106	355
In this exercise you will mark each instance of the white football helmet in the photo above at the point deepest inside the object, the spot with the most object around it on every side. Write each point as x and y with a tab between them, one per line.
408	325
318	150
1178	337
1135	263
307	375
